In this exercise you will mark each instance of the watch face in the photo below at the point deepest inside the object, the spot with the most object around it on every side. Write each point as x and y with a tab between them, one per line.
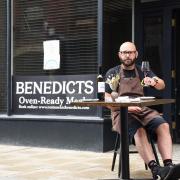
155	79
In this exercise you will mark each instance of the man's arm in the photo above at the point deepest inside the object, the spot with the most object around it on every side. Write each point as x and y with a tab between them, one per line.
152	80
155	82
134	109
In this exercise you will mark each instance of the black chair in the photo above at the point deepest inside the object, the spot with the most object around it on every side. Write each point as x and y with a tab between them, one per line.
117	150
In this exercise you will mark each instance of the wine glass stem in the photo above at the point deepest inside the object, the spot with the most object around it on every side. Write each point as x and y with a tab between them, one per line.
145	74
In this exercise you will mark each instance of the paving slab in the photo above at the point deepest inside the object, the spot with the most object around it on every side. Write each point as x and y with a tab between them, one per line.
35	163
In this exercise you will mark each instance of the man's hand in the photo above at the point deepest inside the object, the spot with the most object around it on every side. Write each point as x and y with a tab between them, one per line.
134	109
155	82
149	81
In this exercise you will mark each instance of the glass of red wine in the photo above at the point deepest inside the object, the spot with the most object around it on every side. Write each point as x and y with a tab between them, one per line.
145	68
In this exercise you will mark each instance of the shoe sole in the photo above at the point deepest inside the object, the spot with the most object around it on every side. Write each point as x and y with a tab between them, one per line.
174	173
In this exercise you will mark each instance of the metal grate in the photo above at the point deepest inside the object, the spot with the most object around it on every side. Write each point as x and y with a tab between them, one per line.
3	67
72	22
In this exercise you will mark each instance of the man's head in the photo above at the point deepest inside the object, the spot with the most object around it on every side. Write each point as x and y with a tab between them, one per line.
128	54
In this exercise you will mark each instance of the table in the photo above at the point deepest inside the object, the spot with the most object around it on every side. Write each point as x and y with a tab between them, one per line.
124	140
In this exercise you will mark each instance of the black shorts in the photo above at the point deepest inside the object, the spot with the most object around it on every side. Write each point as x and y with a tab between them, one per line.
150	127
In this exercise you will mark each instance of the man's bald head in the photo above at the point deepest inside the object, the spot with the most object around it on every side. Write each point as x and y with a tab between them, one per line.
127	46
128	54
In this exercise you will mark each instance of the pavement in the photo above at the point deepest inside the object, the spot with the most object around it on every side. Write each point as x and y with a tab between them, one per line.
35	163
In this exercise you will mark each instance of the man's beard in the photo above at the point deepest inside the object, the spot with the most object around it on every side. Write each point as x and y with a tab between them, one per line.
128	62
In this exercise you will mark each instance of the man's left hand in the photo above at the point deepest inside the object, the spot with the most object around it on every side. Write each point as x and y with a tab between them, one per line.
149	81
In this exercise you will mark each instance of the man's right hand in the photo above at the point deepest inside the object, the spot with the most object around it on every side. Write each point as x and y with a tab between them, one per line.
134	109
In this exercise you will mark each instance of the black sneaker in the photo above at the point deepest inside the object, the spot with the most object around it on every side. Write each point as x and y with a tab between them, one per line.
174	172
170	164
160	173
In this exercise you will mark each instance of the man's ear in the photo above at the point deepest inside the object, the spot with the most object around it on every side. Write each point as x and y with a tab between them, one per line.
136	54
119	54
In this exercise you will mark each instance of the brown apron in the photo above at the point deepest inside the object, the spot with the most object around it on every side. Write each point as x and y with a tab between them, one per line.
132	87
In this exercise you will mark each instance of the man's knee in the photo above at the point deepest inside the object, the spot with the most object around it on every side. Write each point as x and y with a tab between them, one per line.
164	127
141	132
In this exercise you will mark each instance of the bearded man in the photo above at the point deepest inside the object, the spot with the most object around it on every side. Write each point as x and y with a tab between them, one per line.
141	119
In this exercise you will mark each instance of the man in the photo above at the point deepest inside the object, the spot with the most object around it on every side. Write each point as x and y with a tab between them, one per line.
126	81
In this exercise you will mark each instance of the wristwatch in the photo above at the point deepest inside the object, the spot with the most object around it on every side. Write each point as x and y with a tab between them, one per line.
155	80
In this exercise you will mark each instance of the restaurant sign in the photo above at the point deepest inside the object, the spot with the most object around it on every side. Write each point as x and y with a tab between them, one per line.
53	94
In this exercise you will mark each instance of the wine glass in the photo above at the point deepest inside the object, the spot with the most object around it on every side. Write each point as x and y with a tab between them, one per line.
145	68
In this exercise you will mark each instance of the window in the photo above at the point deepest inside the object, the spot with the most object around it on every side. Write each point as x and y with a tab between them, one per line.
3	67
72	22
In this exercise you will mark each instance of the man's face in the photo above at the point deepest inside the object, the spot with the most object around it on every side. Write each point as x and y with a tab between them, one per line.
128	54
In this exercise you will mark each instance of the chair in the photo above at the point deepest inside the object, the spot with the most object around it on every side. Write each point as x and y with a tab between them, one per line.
116	150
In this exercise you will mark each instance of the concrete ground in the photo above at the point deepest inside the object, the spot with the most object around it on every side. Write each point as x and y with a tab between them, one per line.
32	163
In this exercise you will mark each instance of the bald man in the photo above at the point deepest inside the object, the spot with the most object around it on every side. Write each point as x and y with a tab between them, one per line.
141	119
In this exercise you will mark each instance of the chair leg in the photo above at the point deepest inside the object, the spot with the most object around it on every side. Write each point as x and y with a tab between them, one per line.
119	151
154	151
146	166
115	151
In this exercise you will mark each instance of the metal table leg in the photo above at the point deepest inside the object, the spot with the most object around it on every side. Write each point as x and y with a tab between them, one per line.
124	140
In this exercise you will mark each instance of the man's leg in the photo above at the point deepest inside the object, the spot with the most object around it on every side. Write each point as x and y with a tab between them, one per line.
161	128
145	151
138	133
164	141
143	146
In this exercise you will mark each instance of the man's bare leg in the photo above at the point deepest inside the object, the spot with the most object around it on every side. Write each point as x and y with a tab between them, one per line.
143	146
164	141
145	151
